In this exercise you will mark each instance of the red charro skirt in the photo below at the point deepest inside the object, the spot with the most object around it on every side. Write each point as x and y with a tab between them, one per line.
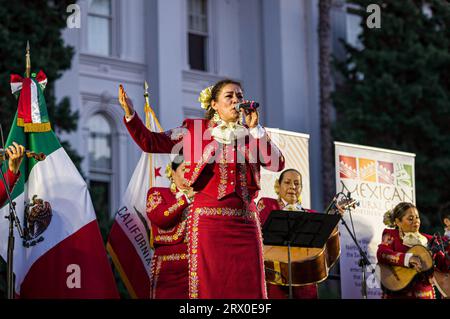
170	272
225	250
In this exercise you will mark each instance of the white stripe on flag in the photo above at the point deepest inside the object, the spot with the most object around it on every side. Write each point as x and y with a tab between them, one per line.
57	181
35	112
16	86
43	83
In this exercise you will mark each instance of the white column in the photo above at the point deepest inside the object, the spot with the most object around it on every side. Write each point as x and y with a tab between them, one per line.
69	84
252	53
170	64
291	81
313	97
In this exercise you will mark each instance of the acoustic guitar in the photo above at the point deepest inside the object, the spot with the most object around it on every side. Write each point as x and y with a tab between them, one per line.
309	265
396	278
442	282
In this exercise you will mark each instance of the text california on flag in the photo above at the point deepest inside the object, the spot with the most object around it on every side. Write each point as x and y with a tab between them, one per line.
129	242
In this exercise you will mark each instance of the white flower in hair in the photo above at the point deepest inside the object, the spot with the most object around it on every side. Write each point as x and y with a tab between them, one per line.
205	97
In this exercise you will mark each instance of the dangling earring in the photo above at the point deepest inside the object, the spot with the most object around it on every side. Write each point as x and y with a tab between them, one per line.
401	232
173	187
299	200
241	119
216	117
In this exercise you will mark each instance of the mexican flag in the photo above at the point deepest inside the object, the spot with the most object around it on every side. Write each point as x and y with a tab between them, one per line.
61	254
130	239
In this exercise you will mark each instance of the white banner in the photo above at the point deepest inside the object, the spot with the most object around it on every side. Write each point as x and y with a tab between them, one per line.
294	147
379	179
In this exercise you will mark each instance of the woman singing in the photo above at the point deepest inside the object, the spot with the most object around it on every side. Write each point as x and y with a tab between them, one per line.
223	161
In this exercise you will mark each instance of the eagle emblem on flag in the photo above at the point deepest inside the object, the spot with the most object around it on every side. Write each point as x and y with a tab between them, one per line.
38	215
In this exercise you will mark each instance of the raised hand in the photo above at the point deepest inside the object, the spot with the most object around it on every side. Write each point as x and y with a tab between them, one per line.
190	194
125	102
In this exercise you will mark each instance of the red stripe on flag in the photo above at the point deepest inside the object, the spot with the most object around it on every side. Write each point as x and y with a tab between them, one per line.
130	265
24	109
50	276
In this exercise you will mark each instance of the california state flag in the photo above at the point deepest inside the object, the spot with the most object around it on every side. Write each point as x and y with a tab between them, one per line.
130	239
62	254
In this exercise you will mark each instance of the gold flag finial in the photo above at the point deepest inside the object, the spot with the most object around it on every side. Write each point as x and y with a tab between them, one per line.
28	61
147	105
147	111
146	94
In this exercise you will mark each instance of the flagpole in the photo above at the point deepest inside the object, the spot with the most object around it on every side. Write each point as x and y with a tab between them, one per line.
28	61
148	125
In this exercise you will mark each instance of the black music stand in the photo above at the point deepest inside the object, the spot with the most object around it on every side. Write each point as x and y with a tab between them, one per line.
298	229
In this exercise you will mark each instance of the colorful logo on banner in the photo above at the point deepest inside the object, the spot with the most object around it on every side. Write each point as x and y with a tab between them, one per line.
347	167
369	170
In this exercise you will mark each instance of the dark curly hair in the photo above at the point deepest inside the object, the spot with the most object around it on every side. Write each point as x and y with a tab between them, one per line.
177	162
215	93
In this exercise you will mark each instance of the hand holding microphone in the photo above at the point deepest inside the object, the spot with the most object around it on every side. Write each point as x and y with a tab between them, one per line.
246	105
250	112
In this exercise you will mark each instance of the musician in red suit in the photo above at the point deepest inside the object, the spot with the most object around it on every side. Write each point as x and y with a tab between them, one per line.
15	154
404	223
167	210
223	158
289	188
445	219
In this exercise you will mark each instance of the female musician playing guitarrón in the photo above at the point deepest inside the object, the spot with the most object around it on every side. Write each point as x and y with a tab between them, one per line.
289	188
405	221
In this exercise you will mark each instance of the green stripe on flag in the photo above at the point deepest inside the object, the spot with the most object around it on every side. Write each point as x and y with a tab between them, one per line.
40	142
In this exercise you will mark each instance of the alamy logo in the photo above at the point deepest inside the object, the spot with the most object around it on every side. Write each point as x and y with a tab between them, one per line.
73	20
373	21
74	279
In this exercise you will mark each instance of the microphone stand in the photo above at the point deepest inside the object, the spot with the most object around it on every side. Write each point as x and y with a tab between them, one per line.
291	237
364	260
288	242
13	220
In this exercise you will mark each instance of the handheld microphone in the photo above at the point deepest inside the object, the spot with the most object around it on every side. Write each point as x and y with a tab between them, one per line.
252	105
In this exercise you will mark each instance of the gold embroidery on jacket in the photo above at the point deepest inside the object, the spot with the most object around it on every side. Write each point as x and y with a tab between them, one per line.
153	200
223	174
205	157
